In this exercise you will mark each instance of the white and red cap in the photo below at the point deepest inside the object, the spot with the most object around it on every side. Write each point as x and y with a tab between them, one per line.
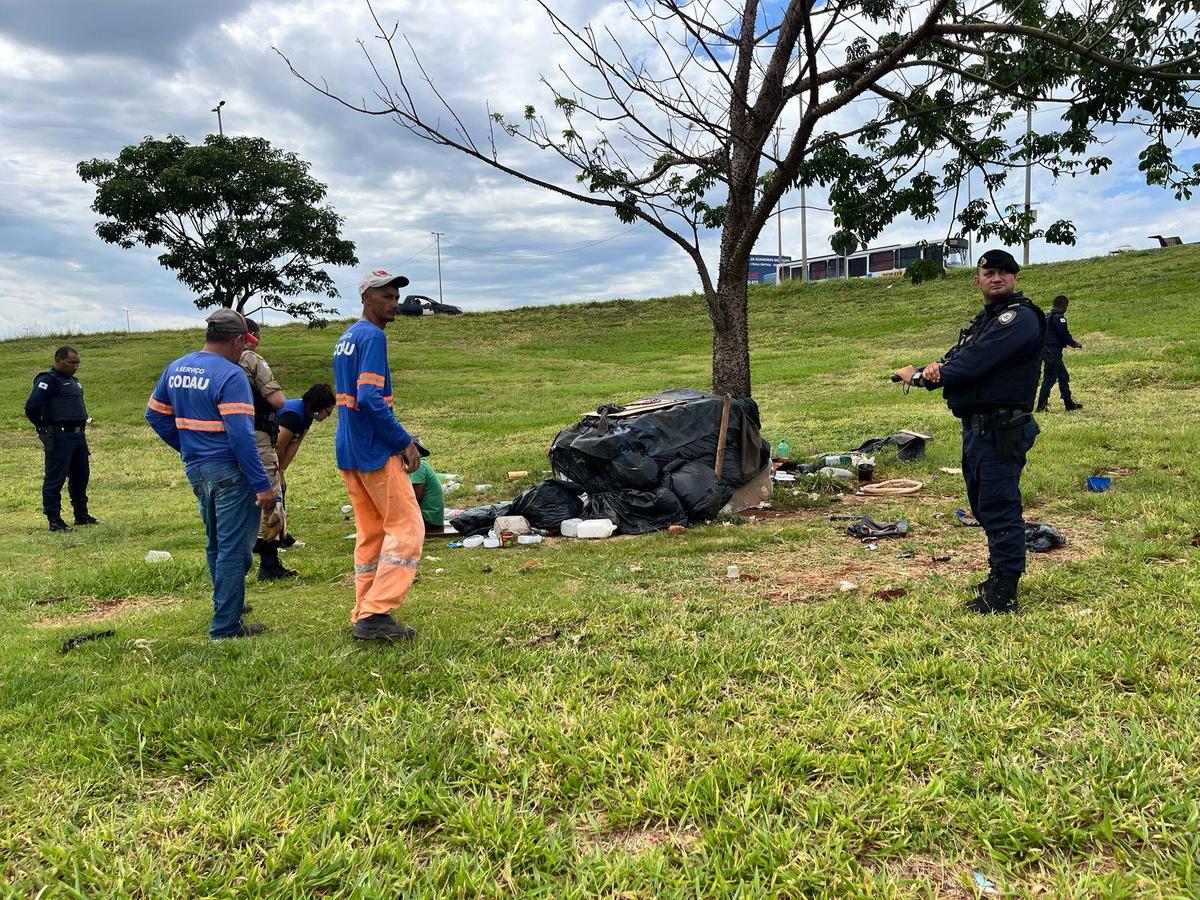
380	278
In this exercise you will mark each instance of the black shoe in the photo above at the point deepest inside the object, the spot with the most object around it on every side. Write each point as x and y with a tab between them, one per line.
287	540
978	592
1072	405
1043	407
275	571
59	525
1001	595
382	627
247	609
247	630
85	519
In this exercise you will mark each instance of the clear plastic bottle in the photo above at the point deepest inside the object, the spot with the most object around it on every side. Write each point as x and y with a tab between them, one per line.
783	450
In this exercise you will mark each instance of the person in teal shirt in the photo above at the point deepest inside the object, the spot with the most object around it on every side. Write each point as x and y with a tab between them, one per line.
432	501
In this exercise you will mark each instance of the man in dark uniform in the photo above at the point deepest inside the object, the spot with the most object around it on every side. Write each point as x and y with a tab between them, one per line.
55	407
1058	336
989	379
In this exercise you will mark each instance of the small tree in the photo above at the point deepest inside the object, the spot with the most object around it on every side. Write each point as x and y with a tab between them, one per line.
238	220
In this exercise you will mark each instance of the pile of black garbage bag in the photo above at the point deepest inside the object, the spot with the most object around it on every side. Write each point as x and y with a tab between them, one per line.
646	466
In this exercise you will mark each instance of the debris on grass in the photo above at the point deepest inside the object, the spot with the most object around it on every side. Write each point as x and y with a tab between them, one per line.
72	642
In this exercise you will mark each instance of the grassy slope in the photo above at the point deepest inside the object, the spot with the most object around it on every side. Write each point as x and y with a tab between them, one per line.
590	726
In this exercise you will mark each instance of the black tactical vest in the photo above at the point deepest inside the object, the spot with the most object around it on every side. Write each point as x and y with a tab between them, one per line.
1012	385
264	413
66	406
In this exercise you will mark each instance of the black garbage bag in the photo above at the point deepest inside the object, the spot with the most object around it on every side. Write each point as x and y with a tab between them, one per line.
1040	537
697	488
480	519
634	469
547	504
637	512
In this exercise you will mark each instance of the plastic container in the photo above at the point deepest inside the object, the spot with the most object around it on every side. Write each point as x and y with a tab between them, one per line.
491	543
529	539
733	573
839	474
347	509
593	529
515	524
783	450
837	460
1099	483
157	556
569	527
472	542
480	488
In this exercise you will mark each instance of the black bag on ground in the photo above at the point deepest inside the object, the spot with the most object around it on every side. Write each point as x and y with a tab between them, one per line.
637	512
479	520
547	504
698	490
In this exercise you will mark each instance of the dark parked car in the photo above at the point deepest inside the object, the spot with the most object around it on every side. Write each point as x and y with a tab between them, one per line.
418	305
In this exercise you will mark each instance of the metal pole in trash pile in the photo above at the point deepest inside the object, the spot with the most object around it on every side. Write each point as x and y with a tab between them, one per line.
437	235
720	464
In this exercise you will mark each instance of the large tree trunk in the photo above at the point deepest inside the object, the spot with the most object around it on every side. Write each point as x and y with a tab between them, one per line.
731	335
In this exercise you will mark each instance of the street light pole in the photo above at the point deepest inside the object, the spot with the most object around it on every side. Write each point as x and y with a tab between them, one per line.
126	309
438	237
217	110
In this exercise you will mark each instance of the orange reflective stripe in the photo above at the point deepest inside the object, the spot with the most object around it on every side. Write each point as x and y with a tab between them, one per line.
228	409
370	378
199	424
388	400
347	400
158	406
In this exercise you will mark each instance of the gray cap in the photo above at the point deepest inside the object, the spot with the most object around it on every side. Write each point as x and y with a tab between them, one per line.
226	321
380	278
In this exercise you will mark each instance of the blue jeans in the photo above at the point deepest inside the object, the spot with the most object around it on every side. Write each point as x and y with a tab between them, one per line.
231	517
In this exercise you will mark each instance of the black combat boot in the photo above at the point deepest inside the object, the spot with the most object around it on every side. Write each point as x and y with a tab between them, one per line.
86	519
269	567
978	592
382	627
1043	407
1072	405
1001	595
57	524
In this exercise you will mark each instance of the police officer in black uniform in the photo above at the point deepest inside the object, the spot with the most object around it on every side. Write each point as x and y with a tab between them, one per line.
989	379
1058	336
55	407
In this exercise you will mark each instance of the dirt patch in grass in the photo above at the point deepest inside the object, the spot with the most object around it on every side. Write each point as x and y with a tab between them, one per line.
636	841
101	610
934	873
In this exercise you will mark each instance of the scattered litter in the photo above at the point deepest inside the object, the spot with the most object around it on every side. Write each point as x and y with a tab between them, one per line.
891	486
439	571
593	529
457	545
517	475
872	546
569	527
904	554
1041	538
547	504
963	518
491	543
347	509
910	445
635	568
890	594
433	559
529	539
298	544
951	470
865	528
352	536
515	524
71	643
486	570
784	476
478	519
1086	611
157	556
985	884
733	573
146	646
847	586
682	529
944	557
1098	483
836	473
481	488
939	515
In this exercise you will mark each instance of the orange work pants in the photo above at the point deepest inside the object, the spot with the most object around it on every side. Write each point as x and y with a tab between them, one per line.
390	537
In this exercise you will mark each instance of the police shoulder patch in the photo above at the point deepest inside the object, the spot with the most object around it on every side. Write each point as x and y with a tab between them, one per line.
1007	317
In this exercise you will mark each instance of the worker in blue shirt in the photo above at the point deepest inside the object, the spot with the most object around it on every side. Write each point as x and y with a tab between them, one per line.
203	408
1058	336
56	409
989	379
376	455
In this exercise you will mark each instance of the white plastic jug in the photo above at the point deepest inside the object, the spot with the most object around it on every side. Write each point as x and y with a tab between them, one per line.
595	528
491	543
529	539
157	556
570	527
475	541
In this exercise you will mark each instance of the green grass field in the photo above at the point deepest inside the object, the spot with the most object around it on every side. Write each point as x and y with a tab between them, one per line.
620	718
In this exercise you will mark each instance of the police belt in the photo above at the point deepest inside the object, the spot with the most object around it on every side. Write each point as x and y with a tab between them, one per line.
64	427
984	422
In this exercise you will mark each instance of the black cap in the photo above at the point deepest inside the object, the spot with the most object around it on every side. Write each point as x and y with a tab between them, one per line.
999	259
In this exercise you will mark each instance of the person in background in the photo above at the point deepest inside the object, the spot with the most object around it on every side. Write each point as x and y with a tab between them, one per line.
295	419
202	407
428	489
56	409
268	400
1058	336
376	455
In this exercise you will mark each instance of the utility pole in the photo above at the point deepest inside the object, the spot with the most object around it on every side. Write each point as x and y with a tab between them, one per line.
970	233
1028	174
437	235
217	110
126	310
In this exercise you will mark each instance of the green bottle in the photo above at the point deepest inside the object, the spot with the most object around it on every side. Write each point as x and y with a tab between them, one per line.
783	450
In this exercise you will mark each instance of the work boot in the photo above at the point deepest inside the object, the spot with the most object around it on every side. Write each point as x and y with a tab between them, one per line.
247	630
86	519
287	540
1043	407
57	524
1001	595
270	568
978	591
382	627
1072	405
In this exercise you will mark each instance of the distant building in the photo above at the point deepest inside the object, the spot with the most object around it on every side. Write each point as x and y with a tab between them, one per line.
892	259
762	268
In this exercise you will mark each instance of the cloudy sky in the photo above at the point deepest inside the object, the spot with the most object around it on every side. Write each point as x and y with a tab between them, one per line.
80	80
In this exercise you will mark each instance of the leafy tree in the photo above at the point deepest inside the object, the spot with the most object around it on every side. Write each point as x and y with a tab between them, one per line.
237	220
901	99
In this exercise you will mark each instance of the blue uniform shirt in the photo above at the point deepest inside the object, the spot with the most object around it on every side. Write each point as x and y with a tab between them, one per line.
367	431
1057	333
293	418
202	407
